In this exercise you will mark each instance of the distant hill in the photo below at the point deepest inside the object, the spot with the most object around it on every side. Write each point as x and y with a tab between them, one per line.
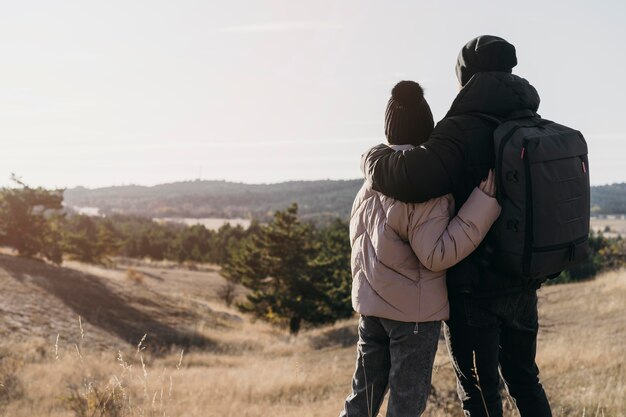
196	199
328	198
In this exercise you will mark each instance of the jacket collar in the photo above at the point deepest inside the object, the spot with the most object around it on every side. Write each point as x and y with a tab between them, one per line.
496	93
401	147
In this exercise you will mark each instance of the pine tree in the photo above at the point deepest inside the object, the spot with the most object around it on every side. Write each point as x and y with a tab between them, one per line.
273	264
29	220
109	240
89	240
80	239
192	244
331	267
277	264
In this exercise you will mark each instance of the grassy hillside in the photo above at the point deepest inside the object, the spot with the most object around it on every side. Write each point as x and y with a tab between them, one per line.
231	200
233	366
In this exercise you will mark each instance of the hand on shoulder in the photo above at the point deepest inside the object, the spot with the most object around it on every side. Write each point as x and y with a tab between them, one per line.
488	185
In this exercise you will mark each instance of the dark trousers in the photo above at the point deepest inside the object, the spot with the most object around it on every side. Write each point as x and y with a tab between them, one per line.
392	355
487	335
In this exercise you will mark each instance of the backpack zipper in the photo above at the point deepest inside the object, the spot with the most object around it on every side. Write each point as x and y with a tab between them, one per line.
528	233
503	142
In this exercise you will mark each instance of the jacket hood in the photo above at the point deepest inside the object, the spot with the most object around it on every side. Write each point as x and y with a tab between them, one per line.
496	93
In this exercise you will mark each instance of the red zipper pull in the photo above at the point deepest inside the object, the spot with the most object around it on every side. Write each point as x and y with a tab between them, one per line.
584	167
523	152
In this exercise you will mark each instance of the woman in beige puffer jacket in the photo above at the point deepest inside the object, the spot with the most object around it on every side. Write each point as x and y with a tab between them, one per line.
400	253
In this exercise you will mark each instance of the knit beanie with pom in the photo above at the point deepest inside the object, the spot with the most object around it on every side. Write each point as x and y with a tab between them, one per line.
408	119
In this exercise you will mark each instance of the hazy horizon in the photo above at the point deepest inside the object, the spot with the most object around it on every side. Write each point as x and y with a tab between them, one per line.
216	180
242	182
105	94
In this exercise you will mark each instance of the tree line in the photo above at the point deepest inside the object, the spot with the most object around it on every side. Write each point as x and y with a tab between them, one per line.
296	271
608	199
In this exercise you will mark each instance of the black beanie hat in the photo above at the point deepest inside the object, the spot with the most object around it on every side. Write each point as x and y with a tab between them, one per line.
485	53
408	119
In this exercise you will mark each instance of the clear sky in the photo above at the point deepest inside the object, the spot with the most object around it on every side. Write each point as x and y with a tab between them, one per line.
100	93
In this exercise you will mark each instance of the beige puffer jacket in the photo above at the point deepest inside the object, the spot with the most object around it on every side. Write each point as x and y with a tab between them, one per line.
400	252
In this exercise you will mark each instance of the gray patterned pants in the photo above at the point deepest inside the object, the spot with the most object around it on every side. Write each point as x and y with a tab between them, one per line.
391	356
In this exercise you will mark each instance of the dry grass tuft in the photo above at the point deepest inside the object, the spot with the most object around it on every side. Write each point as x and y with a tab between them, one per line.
135	276
11	387
88	384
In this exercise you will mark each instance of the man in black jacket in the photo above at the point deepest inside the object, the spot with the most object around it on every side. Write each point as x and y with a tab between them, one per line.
493	316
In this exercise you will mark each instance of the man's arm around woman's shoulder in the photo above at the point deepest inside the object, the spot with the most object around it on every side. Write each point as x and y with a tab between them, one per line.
416	175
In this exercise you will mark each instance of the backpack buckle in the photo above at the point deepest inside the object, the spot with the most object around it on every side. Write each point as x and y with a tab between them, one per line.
513	225
511	176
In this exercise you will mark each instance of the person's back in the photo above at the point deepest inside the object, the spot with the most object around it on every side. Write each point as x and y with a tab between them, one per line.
399	256
389	279
498	94
493	321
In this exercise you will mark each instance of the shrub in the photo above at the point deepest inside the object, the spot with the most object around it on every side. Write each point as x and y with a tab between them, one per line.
134	276
10	385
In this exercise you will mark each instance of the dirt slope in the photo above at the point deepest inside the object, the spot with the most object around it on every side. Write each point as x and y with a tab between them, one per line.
42	300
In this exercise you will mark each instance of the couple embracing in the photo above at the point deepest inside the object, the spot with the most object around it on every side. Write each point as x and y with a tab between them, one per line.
420	233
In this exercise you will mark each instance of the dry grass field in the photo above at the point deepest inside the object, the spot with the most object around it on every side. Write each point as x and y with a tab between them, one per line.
615	226
72	346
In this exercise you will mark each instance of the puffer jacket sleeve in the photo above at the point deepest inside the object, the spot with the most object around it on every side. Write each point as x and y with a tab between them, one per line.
440	242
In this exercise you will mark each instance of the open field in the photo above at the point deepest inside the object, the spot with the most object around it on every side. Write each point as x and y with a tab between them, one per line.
233	366
616	226
209	222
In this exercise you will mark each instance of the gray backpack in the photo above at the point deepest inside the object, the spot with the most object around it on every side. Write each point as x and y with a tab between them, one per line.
542	178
